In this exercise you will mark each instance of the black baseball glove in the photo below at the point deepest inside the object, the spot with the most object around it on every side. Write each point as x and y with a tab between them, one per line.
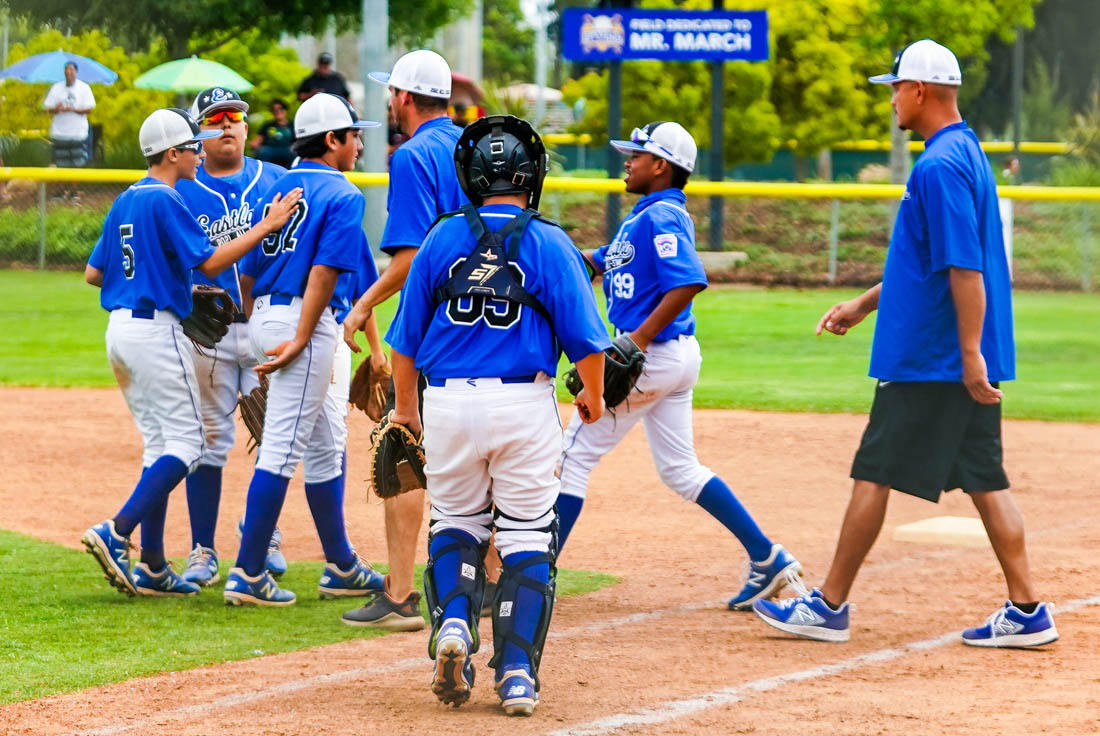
622	365
396	459
212	311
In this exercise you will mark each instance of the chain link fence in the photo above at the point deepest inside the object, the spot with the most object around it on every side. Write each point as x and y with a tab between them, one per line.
766	240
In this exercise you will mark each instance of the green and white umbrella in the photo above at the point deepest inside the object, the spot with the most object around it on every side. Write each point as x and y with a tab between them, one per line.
189	76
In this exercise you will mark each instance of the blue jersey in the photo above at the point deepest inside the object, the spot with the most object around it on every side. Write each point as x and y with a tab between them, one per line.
423	184
224	207
948	217
488	338
351	284
149	245
326	230
652	254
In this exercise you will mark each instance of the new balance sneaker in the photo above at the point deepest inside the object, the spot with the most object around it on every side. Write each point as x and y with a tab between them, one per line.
360	579
806	615
163	583
765	578
262	590
112	551
516	689
384	612
202	566
275	562
1011	627
454	671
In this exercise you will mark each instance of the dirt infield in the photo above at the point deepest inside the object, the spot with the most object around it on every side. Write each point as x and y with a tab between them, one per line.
657	653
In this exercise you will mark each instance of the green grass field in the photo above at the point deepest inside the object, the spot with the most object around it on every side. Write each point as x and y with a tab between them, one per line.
65	629
759	349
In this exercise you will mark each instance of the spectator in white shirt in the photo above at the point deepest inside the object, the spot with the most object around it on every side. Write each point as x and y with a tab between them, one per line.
69	103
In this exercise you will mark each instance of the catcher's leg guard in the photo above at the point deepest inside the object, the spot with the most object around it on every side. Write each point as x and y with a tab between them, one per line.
512	613
467	576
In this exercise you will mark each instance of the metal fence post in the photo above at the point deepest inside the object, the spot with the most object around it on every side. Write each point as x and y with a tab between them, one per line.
41	225
834	237
1086	248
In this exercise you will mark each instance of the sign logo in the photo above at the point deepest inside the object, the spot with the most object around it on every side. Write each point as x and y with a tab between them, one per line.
666	245
602	33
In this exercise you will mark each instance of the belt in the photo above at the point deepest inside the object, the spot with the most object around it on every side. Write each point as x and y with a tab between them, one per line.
142	313
282	300
240	318
439	382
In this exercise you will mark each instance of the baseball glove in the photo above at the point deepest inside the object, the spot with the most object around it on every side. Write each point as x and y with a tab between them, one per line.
622	365
253	407
212	311
369	388
396	459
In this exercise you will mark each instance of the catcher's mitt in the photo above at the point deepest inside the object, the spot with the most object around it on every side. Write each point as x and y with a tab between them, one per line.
369	388
212	311
253	407
396	459
622	365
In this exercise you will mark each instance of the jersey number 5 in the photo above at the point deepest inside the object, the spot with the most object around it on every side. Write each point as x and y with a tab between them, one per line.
125	233
285	239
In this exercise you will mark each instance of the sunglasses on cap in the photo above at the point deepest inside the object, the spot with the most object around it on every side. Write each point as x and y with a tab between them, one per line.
193	146
641	137
216	118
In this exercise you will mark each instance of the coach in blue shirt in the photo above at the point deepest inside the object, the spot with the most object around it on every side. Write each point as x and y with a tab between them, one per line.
943	342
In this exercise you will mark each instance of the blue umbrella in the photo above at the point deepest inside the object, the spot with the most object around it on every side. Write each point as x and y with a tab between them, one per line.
50	67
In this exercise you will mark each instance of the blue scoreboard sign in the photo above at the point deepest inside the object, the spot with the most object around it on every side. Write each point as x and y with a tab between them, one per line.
613	34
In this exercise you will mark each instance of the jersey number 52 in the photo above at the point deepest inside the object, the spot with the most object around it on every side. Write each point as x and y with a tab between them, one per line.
285	239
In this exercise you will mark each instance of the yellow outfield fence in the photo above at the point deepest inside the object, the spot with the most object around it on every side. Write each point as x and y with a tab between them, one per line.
773	232
1050	148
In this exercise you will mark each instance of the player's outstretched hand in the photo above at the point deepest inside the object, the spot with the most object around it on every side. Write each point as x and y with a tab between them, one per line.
282	207
842	317
282	355
976	380
589	409
354	322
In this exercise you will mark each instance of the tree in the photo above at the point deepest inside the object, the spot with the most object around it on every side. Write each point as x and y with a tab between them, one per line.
508	43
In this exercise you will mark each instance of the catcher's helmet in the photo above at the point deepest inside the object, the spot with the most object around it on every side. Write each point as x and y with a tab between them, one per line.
501	154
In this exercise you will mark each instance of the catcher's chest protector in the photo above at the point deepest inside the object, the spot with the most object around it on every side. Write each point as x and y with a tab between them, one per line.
489	271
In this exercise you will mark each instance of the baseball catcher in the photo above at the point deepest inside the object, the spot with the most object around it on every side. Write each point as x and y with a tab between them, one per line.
396	459
212	311
622	365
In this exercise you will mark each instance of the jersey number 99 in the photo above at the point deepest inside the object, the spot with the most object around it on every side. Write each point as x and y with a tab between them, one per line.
125	232
622	285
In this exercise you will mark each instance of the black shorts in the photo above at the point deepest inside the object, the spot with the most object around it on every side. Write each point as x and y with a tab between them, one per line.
924	438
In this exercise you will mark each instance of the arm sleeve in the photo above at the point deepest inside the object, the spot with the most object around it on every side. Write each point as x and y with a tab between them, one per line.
51	98
570	300
98	258
416	308
181	232
89	98
598	257
672	241
343	224
411	203
952	217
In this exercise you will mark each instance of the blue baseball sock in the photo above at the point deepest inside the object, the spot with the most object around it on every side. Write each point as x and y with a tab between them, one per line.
152	534
326	503
446	569
155	484
527	609
204	493
569	508
719	501
266	494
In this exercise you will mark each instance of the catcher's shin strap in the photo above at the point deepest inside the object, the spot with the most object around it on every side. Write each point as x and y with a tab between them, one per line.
489	271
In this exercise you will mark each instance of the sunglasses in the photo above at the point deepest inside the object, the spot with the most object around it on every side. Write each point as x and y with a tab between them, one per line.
216	118
194	147
642	137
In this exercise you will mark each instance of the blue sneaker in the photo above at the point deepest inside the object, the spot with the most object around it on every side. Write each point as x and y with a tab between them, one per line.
1011	627
807	615
766	578
262	590
454	672
360	579
112	552
275	562
517	692
163	583
202	566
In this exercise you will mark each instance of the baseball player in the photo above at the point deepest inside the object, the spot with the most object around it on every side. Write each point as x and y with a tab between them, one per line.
492	298
223	197
651	273
422	187
943	342
293	325
143	262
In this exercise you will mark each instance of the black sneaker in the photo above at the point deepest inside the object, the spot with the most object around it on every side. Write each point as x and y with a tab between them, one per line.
386	613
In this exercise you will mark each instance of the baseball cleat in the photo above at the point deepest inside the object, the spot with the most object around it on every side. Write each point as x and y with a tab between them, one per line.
807	615
454	672
163	583
1011	627
275	562
262	590
384	612
202	566
766	578
112	552
360	579
517	692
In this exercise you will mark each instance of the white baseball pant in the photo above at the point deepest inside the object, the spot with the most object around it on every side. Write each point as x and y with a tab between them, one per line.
223	372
